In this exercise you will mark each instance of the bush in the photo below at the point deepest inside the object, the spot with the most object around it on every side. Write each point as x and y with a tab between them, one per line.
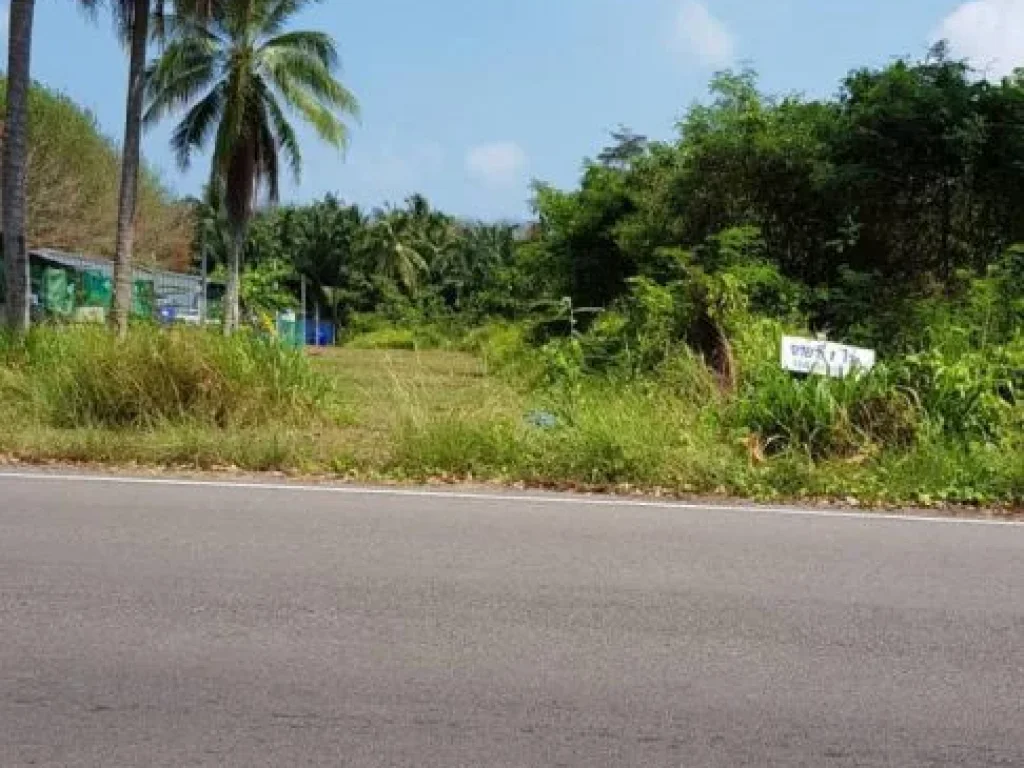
427	337
975	396
83	377
830	417
503	346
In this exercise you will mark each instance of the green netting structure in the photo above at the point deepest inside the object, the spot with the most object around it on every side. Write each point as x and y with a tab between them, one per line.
57	292
79	288
291	331
97	289
143	298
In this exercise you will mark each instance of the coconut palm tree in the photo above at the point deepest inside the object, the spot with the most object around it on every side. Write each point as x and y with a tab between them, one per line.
135	19
15	162
236	73
395	250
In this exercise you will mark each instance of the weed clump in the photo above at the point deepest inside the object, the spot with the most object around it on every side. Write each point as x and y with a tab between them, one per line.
82	378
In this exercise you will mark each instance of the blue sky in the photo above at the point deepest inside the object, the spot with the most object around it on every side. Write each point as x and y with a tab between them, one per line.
466	101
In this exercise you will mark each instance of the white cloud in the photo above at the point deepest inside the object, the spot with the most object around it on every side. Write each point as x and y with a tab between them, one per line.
702	35
498	164
989	33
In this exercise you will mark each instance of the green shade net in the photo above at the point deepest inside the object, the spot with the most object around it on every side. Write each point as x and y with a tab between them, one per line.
143	298
58	295
97	289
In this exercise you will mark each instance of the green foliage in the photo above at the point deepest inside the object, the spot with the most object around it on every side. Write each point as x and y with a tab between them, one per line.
408	265
421	337
265	287
73	187
852	209
503	347
83	378
977	396
831	418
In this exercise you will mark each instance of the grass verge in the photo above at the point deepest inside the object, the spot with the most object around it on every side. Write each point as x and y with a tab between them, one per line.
195	401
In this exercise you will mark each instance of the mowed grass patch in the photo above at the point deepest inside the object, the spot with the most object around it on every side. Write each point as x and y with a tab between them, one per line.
384	388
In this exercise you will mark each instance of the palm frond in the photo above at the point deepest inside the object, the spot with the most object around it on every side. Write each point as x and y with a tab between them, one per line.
287	140
177	90
327	126
292	69
279	12
318	45
195	128
267	161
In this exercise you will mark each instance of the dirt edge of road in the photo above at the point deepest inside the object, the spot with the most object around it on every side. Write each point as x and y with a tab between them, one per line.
471	486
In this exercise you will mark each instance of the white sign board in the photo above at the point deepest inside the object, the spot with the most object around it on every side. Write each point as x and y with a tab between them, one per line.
823	358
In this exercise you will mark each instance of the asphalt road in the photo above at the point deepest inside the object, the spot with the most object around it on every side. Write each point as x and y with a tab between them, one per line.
164	625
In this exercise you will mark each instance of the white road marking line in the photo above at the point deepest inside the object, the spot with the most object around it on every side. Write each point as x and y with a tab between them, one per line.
540	498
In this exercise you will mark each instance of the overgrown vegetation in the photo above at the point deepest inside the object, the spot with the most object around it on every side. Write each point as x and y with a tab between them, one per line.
629	338
885	217
78	378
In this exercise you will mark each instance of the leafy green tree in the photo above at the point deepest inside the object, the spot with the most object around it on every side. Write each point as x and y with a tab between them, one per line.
578	234
237	72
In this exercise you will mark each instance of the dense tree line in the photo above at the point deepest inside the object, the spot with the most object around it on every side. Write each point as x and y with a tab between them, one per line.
904	188
408	264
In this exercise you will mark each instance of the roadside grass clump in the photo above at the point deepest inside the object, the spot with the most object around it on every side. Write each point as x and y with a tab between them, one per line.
974	396
82	377
830	418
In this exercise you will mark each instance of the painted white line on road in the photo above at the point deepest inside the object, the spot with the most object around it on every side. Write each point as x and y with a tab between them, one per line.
497	498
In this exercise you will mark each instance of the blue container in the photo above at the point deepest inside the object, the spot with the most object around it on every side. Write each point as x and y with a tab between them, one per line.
321	335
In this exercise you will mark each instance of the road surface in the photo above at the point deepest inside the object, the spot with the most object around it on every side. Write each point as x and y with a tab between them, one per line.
183	625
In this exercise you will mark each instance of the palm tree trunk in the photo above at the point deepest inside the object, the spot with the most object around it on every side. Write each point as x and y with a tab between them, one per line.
130	160
15	164
234	281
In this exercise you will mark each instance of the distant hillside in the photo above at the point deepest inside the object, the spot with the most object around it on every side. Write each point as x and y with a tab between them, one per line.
73	187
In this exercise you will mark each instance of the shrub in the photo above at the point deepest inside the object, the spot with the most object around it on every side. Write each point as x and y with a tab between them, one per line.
503	347
973	396
830	417
426	337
